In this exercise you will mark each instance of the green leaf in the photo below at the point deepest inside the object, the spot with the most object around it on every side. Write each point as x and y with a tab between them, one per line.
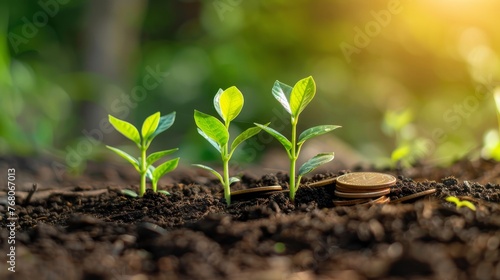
231	102
217	174
467	204
315	131
283	140
400	153
245	135
164	168
210	140
129	193
152	158
150	125
149	173
453	199
126	156
282	93
233	180
395	121
302	93
125	128
212	127
459	203
316	161
217	102
165	123
164	192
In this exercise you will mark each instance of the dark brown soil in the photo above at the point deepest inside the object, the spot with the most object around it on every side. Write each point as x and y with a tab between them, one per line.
84	228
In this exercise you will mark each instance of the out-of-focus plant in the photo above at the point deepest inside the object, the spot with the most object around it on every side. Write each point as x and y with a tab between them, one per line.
491	139
408	147
491	145
33	106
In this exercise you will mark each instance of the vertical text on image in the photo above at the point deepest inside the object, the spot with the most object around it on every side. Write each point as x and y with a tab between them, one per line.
11	219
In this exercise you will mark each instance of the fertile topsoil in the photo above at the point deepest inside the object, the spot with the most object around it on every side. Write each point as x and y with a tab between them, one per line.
84	228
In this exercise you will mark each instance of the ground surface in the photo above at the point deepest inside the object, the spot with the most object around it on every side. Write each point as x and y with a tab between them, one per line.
84	228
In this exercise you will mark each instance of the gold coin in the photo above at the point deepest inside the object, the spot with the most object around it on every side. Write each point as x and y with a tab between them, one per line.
369	194
341	188
350	202
366	180
381	200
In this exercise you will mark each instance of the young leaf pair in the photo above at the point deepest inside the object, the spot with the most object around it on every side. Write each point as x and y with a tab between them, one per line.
228	104
459	203
295	100
152	126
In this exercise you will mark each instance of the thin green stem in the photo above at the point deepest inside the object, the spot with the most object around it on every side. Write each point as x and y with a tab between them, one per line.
144	171
227	184
154	186
293	160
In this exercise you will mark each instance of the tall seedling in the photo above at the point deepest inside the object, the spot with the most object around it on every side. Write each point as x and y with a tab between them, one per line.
228	103
295	100
152	126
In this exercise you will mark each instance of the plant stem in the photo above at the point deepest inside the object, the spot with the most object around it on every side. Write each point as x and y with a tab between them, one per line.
293	160
227	187
227	184
154	185
144	171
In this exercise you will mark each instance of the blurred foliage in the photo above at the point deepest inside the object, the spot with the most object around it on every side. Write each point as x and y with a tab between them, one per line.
437	59
491	141
409	148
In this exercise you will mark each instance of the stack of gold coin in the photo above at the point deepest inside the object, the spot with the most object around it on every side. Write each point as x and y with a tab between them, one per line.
363	187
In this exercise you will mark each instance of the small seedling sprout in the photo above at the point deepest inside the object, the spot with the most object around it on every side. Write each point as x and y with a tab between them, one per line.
152	126
459	203
228	103
295	100
408	148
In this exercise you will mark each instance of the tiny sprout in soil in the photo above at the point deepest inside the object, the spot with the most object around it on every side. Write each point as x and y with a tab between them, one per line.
295	100
228	104
152	126
459	203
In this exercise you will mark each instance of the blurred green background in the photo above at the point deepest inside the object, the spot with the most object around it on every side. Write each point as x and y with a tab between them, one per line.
407	80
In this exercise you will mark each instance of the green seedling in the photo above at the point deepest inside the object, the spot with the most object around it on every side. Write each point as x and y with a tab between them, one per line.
408	148
491	146
459	203
152	126
496	96
228	103
295	100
